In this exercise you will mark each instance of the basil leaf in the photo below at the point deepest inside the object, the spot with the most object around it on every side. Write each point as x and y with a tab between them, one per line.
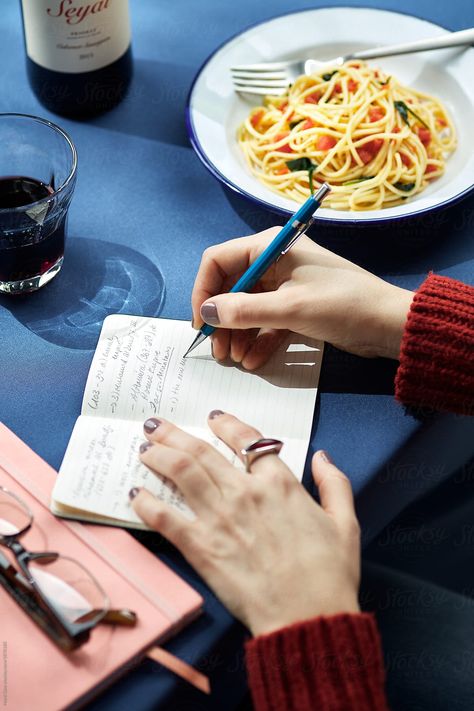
303	164
402	109
310	176
300	164
295	123
384	83
359	180
418	118
329	75
405	187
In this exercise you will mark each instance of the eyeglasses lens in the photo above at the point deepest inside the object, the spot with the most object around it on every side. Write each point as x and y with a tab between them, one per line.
14	516
73	592
67	585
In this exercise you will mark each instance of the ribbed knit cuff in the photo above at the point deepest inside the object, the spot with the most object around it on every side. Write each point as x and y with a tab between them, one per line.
436	369
324	664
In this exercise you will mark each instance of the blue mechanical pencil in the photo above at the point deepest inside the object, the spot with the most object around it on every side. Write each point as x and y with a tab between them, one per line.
283	242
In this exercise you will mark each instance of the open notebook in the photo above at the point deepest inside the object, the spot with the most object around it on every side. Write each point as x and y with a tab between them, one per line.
36	673
138	371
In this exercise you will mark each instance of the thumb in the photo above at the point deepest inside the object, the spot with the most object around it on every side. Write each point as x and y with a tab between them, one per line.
335	491
266	310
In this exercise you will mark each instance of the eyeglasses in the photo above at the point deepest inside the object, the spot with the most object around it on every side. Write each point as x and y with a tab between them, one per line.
61	596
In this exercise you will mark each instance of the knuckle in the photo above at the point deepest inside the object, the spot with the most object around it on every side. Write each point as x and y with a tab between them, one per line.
199	448
352	528
159	519
341	476
287	482
183	539
240	312
274	477
202	557
283	481
224	521
208	255
242	498
338	476
181	463
258	491
244	434
295	303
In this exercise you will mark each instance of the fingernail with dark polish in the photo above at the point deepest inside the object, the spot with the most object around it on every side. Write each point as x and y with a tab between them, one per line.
144	446
214	414
133	492
325	457
209	314
151	425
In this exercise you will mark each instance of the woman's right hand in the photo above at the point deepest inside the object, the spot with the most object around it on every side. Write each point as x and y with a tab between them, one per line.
310	291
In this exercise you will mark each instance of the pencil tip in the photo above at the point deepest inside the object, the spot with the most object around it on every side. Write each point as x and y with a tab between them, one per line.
199	339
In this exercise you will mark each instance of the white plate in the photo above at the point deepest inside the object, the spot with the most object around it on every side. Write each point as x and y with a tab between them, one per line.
214	110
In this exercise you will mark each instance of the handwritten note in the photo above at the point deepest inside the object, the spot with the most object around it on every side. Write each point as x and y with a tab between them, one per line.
104	457
138	371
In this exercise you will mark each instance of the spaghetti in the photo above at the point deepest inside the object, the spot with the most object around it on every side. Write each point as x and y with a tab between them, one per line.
375	141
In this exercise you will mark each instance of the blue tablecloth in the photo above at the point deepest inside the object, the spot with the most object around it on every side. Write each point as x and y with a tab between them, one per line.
126	254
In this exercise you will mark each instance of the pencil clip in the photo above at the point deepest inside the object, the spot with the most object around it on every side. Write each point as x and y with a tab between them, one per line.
302	229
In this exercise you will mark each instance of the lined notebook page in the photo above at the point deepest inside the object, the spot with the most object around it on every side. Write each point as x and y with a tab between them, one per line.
138	371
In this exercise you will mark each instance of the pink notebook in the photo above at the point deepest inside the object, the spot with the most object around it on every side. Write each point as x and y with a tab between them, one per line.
37	674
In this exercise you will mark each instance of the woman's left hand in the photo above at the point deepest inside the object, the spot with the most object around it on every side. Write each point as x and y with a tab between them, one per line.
267	549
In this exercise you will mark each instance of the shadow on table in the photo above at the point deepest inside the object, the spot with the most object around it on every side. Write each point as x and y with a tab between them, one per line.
434	240
97	279
155	104
346	373
440	446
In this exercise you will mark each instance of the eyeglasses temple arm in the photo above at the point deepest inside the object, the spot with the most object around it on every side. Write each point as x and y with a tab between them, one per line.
14	584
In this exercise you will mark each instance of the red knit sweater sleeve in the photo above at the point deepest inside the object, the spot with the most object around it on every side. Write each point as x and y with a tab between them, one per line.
437	353
323	664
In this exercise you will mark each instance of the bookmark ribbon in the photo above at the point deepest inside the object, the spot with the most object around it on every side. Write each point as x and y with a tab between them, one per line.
182	669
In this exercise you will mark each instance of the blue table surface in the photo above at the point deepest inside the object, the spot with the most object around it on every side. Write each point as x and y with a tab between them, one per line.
125	254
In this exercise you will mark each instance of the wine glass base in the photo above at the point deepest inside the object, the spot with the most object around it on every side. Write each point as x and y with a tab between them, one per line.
25	286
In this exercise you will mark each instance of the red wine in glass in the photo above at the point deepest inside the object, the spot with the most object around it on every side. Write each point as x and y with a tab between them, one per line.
35	194
35	248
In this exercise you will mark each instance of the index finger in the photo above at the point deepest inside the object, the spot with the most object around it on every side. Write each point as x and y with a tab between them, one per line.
224	260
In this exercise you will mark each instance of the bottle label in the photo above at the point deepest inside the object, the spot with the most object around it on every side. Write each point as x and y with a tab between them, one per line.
76	36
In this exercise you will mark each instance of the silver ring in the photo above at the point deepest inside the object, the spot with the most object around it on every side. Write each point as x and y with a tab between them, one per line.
258	448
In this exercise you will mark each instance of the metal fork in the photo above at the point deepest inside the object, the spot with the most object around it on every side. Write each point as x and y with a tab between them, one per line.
274	78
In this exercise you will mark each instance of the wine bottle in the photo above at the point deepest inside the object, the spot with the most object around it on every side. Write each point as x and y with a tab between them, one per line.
78	53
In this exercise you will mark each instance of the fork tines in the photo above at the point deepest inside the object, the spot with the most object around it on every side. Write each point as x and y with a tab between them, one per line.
268	76
263	67
271	78
261	90
271	83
